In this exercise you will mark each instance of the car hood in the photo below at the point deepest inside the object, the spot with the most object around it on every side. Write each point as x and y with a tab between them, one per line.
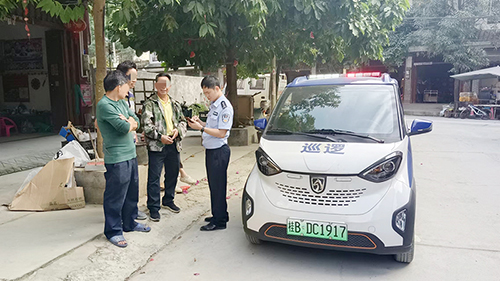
325	157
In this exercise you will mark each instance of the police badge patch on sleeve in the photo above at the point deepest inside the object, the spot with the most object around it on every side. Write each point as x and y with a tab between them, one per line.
225	117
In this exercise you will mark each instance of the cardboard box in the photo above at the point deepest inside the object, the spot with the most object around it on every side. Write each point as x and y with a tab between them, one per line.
52	188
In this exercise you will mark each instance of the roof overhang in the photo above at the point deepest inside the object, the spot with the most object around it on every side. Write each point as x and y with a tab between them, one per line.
487	73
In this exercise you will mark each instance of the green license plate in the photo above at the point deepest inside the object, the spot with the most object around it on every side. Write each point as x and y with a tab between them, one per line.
317	229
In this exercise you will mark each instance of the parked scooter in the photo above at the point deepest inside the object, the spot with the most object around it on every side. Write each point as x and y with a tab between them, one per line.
471	110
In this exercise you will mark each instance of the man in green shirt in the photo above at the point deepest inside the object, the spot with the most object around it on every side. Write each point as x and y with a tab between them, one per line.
117	122
129	68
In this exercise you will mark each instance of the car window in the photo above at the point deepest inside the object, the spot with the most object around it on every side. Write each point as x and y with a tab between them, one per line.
362	109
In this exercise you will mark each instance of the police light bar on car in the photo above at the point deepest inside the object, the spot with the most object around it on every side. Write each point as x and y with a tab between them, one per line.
363	74
323	76
348	75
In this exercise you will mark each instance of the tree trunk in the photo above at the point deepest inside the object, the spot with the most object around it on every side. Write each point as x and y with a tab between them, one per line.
273	85
232	88
98	14
231	77
277	83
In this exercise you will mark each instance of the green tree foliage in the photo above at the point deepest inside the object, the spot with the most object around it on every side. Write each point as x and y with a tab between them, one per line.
66	12
333	31
202	33
122	52
447	29
210	33
253	31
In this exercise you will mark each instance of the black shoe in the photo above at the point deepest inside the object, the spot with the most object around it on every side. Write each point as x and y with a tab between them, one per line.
211	226
141	216
209	219
172	207
154	216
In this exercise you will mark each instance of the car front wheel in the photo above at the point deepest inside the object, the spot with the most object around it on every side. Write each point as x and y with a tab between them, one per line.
406	257
253	240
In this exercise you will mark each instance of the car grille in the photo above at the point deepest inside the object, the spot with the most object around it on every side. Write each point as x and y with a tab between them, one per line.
330	198
354	240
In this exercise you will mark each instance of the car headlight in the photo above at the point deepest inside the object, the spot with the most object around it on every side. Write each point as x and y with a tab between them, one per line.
384	169
265	164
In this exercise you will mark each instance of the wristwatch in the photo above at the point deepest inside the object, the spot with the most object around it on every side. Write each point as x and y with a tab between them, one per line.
202	129
159	136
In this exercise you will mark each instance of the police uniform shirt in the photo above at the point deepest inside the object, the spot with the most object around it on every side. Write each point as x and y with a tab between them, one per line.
131	100
220	116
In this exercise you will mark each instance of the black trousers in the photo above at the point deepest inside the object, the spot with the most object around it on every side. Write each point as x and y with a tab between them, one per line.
216	162
170	159
120	197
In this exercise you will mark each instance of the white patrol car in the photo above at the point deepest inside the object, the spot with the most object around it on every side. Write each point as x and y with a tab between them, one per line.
334	168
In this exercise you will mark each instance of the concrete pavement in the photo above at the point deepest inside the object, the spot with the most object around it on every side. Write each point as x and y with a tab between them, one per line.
423	109
69	245
27	154
457	224
458	221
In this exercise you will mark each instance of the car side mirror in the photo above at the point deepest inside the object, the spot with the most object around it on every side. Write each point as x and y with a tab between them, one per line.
260	124
420	127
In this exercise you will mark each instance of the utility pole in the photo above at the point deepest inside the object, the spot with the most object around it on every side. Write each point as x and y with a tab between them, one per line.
232	88
115	59
273	84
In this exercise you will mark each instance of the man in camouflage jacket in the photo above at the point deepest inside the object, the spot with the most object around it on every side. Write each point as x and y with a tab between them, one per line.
164	127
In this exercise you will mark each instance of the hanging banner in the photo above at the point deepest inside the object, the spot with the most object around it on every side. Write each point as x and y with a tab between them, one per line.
25	54
87	94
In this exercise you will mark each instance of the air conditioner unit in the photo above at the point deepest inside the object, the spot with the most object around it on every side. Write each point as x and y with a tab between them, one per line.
85	64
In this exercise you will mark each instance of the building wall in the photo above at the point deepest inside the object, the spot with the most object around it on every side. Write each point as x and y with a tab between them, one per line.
488	82
39	99
188	89
184	88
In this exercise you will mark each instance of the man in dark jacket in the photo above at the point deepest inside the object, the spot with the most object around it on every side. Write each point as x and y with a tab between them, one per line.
164	127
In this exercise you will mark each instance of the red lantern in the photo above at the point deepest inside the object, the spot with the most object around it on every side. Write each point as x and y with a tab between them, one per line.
76	27
192	55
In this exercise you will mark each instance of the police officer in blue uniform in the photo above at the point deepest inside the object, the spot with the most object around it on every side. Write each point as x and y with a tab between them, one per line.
215	133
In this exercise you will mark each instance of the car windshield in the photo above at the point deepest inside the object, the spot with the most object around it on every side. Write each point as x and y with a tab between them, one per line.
348	113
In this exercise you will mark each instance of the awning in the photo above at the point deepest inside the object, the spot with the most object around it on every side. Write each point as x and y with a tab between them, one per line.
492	72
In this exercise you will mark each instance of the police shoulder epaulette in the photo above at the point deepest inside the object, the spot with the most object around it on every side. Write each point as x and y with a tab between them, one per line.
223	103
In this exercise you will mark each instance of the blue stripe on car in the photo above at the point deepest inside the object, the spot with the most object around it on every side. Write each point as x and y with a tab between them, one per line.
410	164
